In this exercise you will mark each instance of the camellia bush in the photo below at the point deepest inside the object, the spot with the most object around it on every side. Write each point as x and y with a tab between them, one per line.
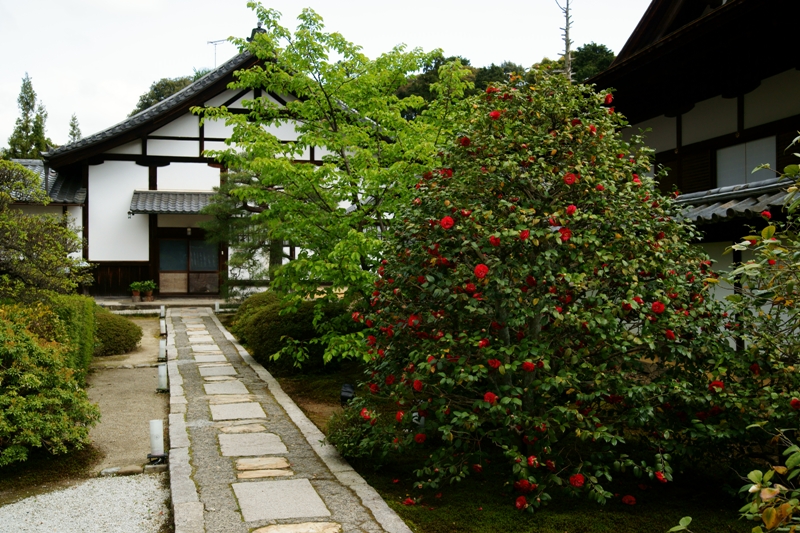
539	298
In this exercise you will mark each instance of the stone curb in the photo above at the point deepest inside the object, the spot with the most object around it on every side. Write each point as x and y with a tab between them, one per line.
186	507
384	515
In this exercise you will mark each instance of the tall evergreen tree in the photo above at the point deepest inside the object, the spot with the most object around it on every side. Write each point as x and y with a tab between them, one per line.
74	130
28	139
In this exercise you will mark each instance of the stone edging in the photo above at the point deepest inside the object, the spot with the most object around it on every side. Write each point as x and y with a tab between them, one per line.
384	515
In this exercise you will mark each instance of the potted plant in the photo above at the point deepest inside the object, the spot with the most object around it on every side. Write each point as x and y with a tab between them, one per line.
136	290
147	287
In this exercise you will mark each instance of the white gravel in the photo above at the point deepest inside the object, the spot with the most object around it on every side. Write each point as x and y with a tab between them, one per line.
129	504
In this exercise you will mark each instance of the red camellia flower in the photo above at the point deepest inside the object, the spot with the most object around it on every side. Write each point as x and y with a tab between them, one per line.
669	334
371	340
532	462
716	384
570	178
636	180
420	438
494	115
658	308
421	279
481	270
389	379
566	234
577	480
490	90
628	500
551	465
490	398
357	316
521	503
524	234
477	468
571	210
465	212
365	414
626	306
447	222
470	287
638	300
399	416
464	141
771	261
494	241
609	99
755	369
494	363
409	501
413	321
527	366
576	122
483	343
593	129
374	388
795	403
661	477
766	214
417	385
600	188
523	485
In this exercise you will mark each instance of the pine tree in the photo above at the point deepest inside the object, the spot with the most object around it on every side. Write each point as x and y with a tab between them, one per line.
28	139
74	130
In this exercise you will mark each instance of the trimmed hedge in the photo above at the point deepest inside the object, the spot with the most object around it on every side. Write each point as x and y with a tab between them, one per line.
77	314
115	334
251	305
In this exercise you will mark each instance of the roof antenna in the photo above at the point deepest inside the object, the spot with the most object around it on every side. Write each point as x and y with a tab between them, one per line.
256	30
215	43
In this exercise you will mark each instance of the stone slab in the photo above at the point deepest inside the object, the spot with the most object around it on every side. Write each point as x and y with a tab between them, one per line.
189	517
203	348
276	500
220	378
230	398
305	527
241	444
226	387
258	474
201	339
247	428
194	331
262	463
237	411
216	358
226	370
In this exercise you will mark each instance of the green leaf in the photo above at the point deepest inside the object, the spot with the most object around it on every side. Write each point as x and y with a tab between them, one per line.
793	460
755	476
768	232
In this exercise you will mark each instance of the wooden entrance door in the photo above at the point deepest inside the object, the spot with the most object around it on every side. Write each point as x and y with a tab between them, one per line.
188	266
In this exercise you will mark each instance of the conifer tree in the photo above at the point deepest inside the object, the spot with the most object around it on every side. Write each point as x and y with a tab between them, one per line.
28	139
74	130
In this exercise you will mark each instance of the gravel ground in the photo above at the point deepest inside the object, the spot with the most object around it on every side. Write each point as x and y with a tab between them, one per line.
131	504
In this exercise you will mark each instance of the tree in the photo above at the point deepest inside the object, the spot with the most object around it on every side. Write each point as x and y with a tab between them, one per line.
589	60
539	304
496	74
74	130
34	249
28	140
164	88
346	108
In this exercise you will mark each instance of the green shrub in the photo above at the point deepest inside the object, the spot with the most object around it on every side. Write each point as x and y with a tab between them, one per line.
252	304
41	403
77	314
115	334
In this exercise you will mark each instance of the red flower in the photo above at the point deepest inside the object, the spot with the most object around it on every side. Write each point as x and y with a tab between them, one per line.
600	188
477	468
374	388
795	403
716	384
494	363
592	129
523	485
465	212
661	477
371	340
609	99
483	343
409	501
413	321
636	180
766	214
521	503
610	110
494	115
755	369
490	398
447	222
417	385
551	466
389	379
771	261
577	480
490	90
532	462
575	121
566	234
446	172
494	241
658	307
356	316
365	414
571	210
669	334
570	178
464	141
626	306
470	287
399	416
481	270
628	500
524	234
420	438
638	300
527	366
421	279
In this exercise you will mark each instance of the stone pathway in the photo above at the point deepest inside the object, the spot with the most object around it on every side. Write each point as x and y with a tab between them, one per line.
243	457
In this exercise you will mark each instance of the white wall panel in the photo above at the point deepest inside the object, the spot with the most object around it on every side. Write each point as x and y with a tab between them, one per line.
187	177
176	148
112	235
238	103
722	262
131	148
664	134
216	145
708	119
217	128
187	125
284	131
221	98
776	98
182	221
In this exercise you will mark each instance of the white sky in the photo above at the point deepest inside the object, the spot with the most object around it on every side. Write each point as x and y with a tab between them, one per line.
95	58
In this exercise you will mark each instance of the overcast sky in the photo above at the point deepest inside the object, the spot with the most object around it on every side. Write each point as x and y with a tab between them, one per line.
95	58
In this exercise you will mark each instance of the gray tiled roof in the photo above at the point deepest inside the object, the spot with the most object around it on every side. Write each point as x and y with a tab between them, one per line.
161	107
60	189
746	200
169	202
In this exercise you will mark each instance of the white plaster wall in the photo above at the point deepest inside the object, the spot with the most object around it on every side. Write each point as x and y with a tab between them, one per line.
664	134
708	119
776	98
735	164
238	103
182	221
112	235
284	131
131	148
221	98
187	177
715	251
176	148
216	128
187	125
216	145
